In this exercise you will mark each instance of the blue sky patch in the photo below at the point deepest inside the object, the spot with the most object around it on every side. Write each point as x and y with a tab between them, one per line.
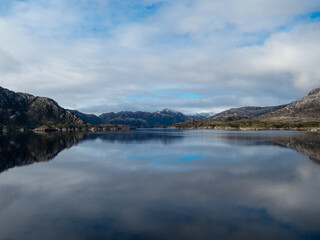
315	15
155	95
178	94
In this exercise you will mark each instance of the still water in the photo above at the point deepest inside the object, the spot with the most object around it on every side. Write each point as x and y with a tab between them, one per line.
160	184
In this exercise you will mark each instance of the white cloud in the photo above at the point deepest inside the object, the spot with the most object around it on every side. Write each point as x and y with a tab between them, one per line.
230	52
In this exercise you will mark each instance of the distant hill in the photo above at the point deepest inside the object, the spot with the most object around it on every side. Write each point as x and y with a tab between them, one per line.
87	118
139	119
306	109
303	114
25	110
234	114
22	109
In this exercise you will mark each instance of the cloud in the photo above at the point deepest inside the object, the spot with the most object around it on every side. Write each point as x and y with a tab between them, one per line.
93	55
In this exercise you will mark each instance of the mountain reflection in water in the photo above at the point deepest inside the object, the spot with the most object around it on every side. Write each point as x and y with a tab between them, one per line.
307	144
160	184
24	149
27	148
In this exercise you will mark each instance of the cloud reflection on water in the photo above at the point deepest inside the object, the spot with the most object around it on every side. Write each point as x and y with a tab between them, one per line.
244	187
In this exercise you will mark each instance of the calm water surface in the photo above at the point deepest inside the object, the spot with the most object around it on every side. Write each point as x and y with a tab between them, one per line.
160	184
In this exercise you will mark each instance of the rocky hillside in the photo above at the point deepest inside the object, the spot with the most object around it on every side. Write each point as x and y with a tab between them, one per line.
25	110
306	109
235	114
141	119
88	118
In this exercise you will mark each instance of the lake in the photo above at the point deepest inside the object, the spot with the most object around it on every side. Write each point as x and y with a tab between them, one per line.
160	184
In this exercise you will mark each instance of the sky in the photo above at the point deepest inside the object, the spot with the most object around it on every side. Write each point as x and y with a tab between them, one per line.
187	55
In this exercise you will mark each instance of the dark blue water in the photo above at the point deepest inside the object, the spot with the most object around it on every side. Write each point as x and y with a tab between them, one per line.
160	184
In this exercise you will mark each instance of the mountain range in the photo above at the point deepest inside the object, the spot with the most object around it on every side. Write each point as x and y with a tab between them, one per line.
305	109
28	111
301	114
25	149
234	114
25	110
139	119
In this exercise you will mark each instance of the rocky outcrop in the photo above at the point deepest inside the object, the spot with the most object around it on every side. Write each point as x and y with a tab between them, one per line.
22	109
306	109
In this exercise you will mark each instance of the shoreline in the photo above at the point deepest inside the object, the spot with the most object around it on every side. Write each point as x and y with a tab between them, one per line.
250	129
85	128
253	125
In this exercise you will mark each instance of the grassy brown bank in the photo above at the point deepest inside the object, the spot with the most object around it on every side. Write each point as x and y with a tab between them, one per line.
249	125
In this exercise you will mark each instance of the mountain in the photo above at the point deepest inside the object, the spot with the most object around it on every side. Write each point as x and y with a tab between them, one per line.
87	118
303	114
306	109
28	111
141	119
234	114
25	110
22	109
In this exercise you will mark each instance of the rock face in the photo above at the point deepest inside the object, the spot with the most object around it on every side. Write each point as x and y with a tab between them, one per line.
235	114
306	109
22	109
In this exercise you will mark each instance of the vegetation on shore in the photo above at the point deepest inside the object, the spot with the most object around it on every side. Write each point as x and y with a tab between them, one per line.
67	128
249	125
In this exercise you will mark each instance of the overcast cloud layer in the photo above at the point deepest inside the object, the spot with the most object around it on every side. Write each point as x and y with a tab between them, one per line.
188	55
